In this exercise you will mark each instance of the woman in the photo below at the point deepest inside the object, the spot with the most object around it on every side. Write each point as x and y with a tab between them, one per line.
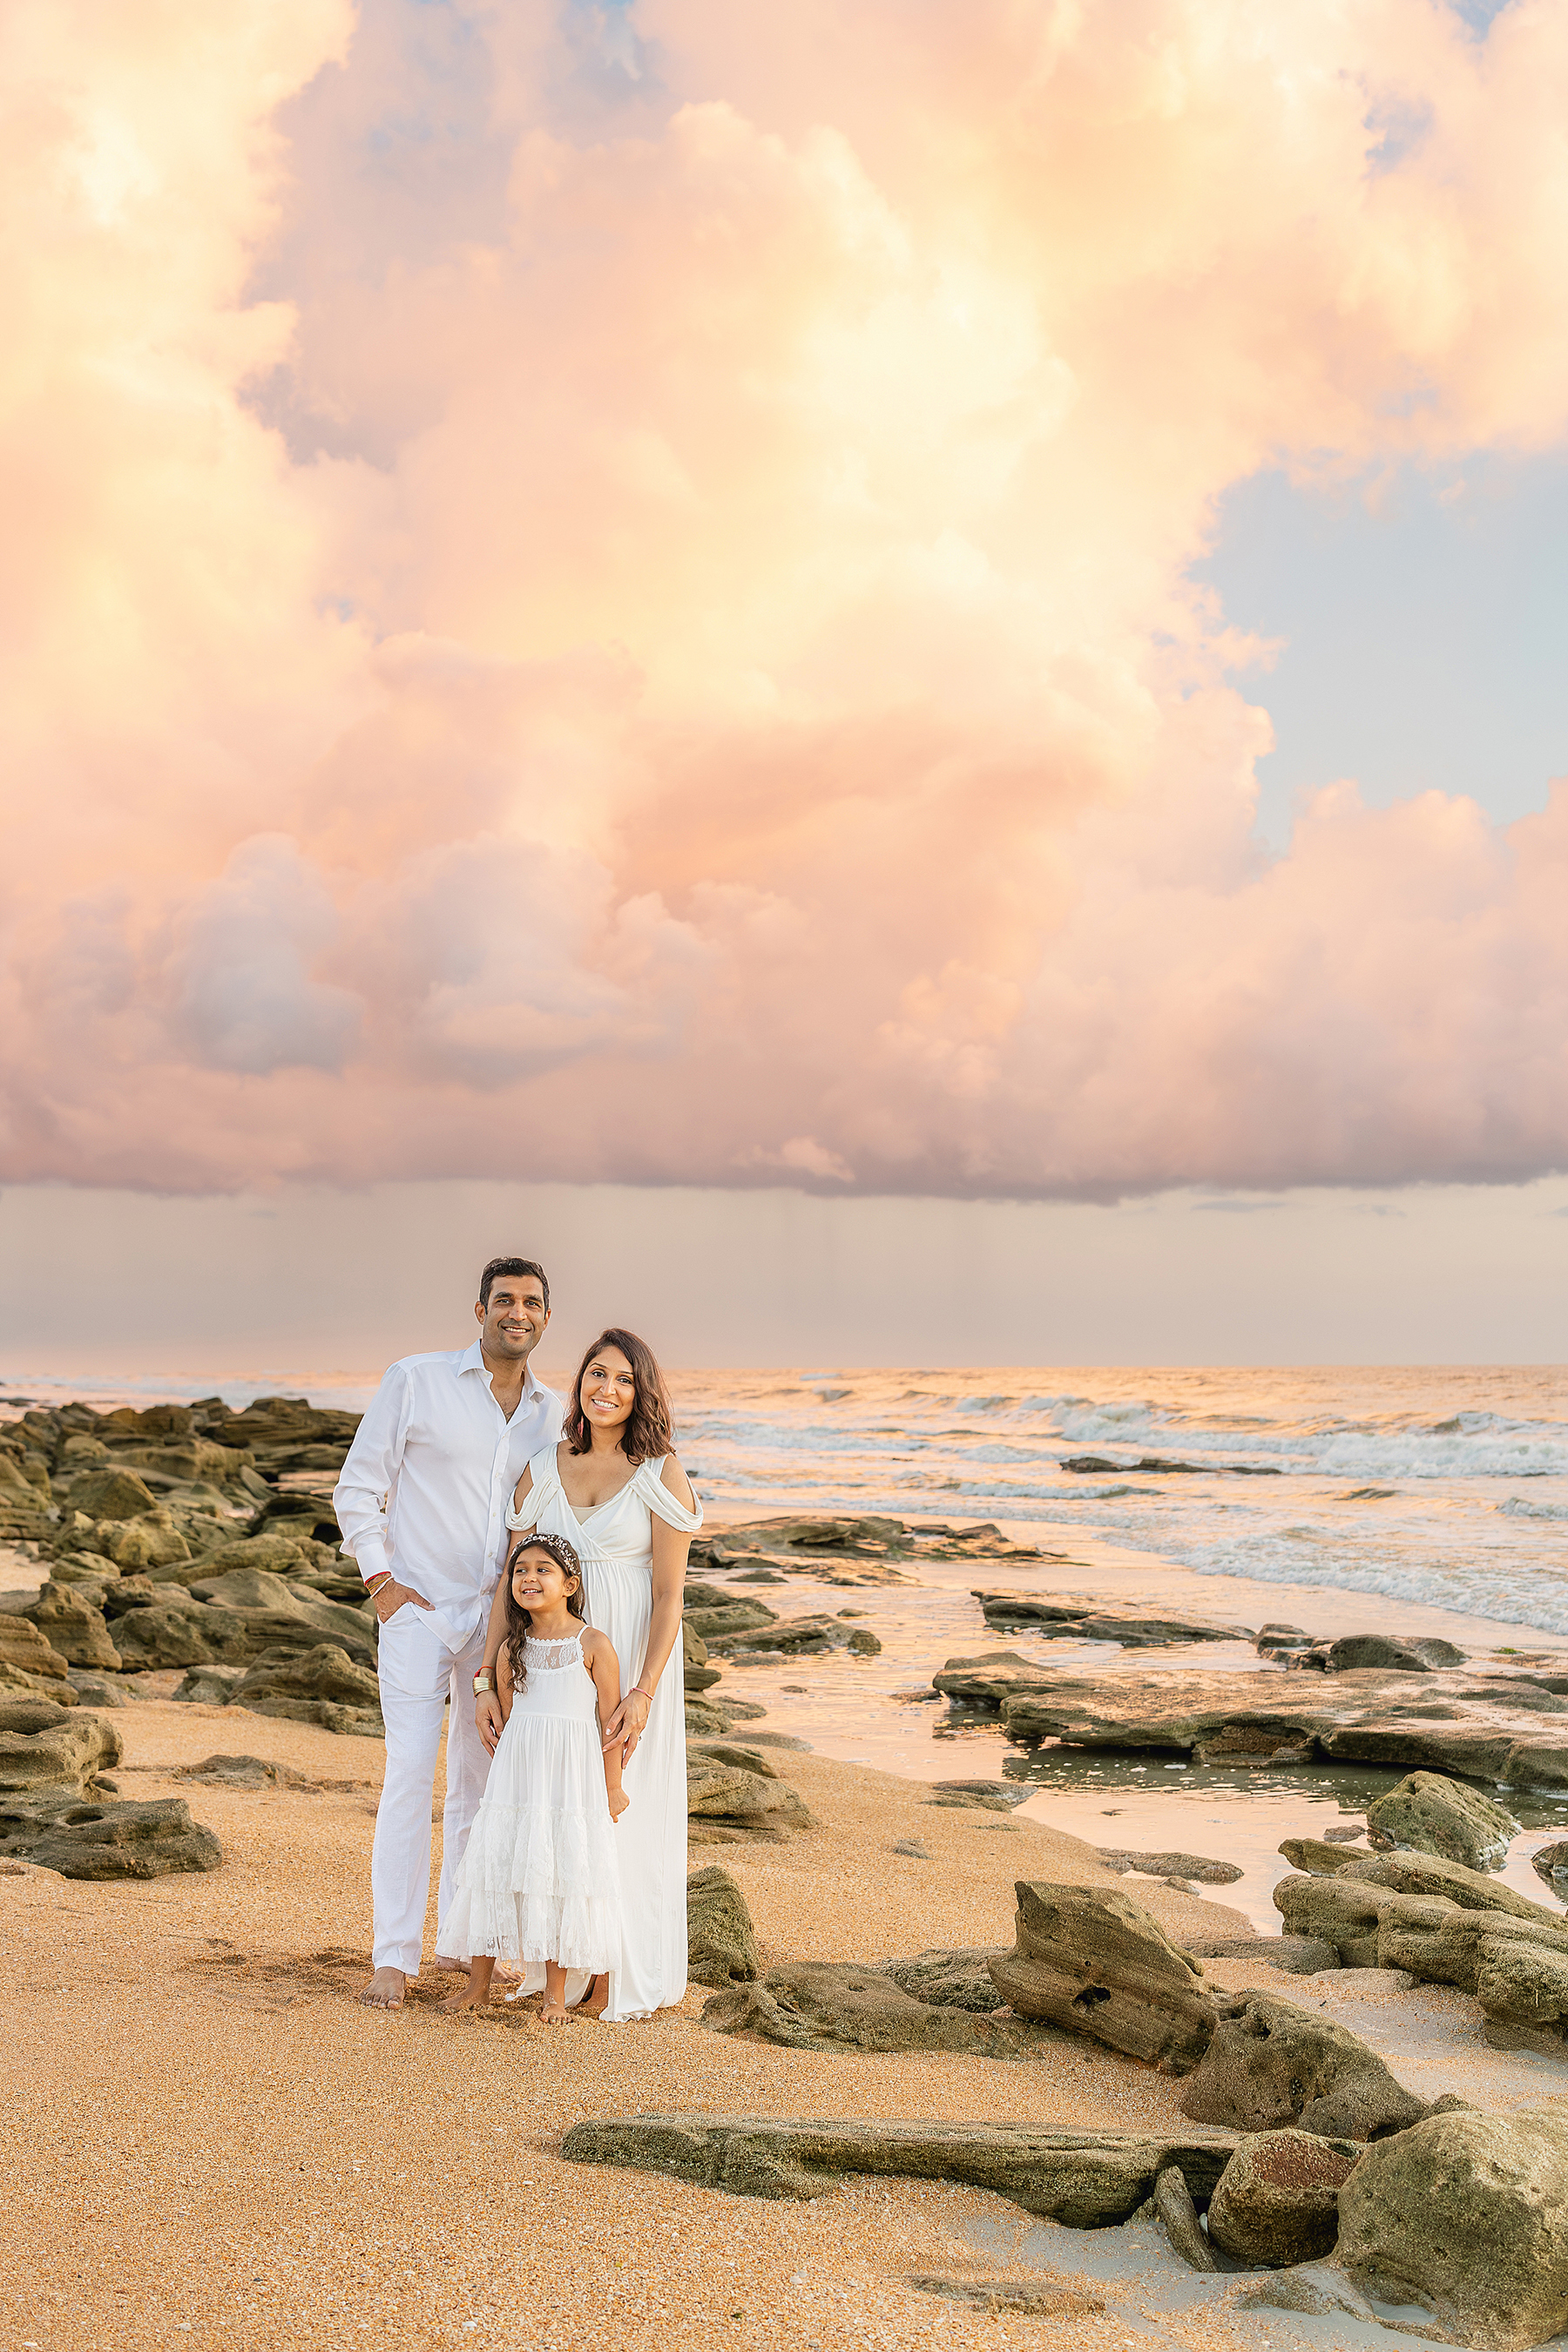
613	1488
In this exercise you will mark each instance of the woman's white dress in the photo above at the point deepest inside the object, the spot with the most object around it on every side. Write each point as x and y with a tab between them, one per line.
614	1544
539	1879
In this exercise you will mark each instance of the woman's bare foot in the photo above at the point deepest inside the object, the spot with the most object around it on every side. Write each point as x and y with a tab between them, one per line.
596	1999
554	2014
385	1989
472	1996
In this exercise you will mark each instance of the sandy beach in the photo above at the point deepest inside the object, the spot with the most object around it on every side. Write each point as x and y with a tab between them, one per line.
213	2139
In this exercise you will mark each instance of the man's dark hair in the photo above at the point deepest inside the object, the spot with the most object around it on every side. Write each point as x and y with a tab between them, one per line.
512	1266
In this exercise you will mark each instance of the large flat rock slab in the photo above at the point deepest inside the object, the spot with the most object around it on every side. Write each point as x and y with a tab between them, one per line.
1090	2180
1080	1617
1444	1720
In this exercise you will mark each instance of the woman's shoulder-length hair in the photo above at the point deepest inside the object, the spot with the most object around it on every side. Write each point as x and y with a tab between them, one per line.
649	1433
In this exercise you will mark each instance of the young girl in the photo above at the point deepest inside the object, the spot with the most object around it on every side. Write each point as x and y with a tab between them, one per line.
539	1882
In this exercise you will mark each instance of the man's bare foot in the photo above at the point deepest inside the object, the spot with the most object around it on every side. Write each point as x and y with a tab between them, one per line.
385	1989
471	1997
554	2013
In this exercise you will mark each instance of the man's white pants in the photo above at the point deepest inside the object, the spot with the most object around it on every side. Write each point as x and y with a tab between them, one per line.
419	1668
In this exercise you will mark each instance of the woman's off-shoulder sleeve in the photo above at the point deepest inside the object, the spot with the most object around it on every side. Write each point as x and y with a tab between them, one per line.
651	1485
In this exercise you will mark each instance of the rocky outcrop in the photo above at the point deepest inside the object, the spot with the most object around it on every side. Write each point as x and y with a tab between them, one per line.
1468	2214
1277	2199
709	1609
211	1685
1092	1959
1293	1956
28	1663
989	1796
1089	2180
720	1942
1270	2065
322	1685
1436	1815
1429	1874
180	1633
1389	1653
1446	1722
44	1746
991	1678
109	1494
796	1637
1199	1866
1081	1618
733	1793
1551	1862
1347	1913
699	1675
84	1839
949	1979
828	2005
69	1622
1178	2217
1316	1856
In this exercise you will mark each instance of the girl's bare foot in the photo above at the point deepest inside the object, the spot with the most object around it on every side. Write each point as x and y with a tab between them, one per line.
554	2012
471	1997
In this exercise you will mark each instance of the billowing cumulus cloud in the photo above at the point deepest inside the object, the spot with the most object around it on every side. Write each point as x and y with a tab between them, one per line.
608	595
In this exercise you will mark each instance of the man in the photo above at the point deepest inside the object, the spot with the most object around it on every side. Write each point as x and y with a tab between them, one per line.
422	1503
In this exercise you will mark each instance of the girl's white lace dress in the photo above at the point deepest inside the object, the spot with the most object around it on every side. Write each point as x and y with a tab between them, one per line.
540	1880
614	1544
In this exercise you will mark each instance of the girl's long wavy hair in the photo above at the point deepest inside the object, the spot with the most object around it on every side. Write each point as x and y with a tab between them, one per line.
648	1435
517	1621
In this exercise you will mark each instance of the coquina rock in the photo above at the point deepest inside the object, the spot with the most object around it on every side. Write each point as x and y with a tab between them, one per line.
1092	1959
1466	2213
728	1800
827	2005
798	1634
110	1493
1270	2065
1089	2180
1178	2217
47	1746
1348	1915
1387	1653
699	1675
150	1541
70	1624
950	1979
1088	1619
1438	1815
321	1685
720	1942
1277	2199
27	1662
1445	1721
181	1632
1199	1866
1409	1872
88	1839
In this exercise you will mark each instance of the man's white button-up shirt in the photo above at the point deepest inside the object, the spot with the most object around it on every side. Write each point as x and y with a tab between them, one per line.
427	1480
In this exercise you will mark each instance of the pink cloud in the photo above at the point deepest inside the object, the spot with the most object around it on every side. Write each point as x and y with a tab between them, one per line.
732	701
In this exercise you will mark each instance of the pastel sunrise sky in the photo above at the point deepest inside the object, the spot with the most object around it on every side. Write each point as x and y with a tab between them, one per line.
887	677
